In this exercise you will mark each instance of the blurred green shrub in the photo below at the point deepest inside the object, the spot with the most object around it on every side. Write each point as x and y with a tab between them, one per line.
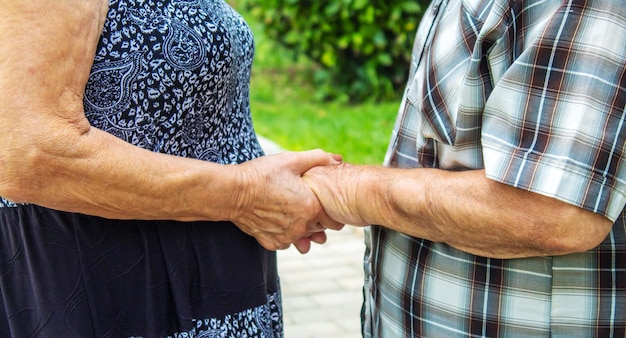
363	47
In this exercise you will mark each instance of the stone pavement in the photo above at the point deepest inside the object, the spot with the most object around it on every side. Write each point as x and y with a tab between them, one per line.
321	290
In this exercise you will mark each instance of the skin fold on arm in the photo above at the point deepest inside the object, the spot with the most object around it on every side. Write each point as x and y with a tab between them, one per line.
463	209
51	156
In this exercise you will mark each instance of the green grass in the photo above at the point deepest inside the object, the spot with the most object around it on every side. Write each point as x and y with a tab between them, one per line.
284	108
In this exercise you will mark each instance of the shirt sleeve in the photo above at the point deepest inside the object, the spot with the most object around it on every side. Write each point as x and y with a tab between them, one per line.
554	123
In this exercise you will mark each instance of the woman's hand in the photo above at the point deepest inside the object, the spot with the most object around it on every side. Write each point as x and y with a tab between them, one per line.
275	205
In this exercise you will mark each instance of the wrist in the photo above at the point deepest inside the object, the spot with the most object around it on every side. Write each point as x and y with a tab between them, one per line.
373	195
212	192
238	181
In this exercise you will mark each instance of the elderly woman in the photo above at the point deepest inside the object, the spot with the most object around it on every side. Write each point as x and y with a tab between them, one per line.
135	201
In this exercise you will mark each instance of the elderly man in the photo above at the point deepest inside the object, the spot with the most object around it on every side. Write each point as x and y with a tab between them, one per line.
500	209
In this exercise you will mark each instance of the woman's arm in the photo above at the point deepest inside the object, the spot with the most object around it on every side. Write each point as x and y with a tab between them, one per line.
463	209
51	156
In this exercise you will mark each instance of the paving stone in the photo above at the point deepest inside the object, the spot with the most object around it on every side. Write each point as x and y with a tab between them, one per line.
322	293
321	290
313	330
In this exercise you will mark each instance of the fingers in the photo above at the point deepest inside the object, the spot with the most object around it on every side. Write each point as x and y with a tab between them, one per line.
281	208
318	237
303	245
337	158
326	222
305	160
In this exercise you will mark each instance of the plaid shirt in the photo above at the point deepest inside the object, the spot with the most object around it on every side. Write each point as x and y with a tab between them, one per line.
534	92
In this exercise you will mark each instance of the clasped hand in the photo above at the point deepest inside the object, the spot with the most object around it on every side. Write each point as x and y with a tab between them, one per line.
277	207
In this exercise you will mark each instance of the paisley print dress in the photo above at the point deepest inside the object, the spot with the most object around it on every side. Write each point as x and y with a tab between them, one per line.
171	76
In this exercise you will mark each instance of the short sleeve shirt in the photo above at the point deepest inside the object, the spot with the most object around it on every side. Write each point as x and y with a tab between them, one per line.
534	92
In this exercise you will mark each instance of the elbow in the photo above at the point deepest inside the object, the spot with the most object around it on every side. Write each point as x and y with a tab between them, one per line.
13	193
12	188
580	235
24	174
33	159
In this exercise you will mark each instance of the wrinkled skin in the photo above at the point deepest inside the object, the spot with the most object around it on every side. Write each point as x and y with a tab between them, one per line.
51	156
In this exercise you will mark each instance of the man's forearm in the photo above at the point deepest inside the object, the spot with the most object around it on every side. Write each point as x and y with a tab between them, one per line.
475	214
463	209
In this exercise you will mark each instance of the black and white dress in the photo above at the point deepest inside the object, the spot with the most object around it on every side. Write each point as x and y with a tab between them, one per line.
171	76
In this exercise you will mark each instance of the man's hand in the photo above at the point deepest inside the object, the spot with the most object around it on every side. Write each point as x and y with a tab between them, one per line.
337	188
276	206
